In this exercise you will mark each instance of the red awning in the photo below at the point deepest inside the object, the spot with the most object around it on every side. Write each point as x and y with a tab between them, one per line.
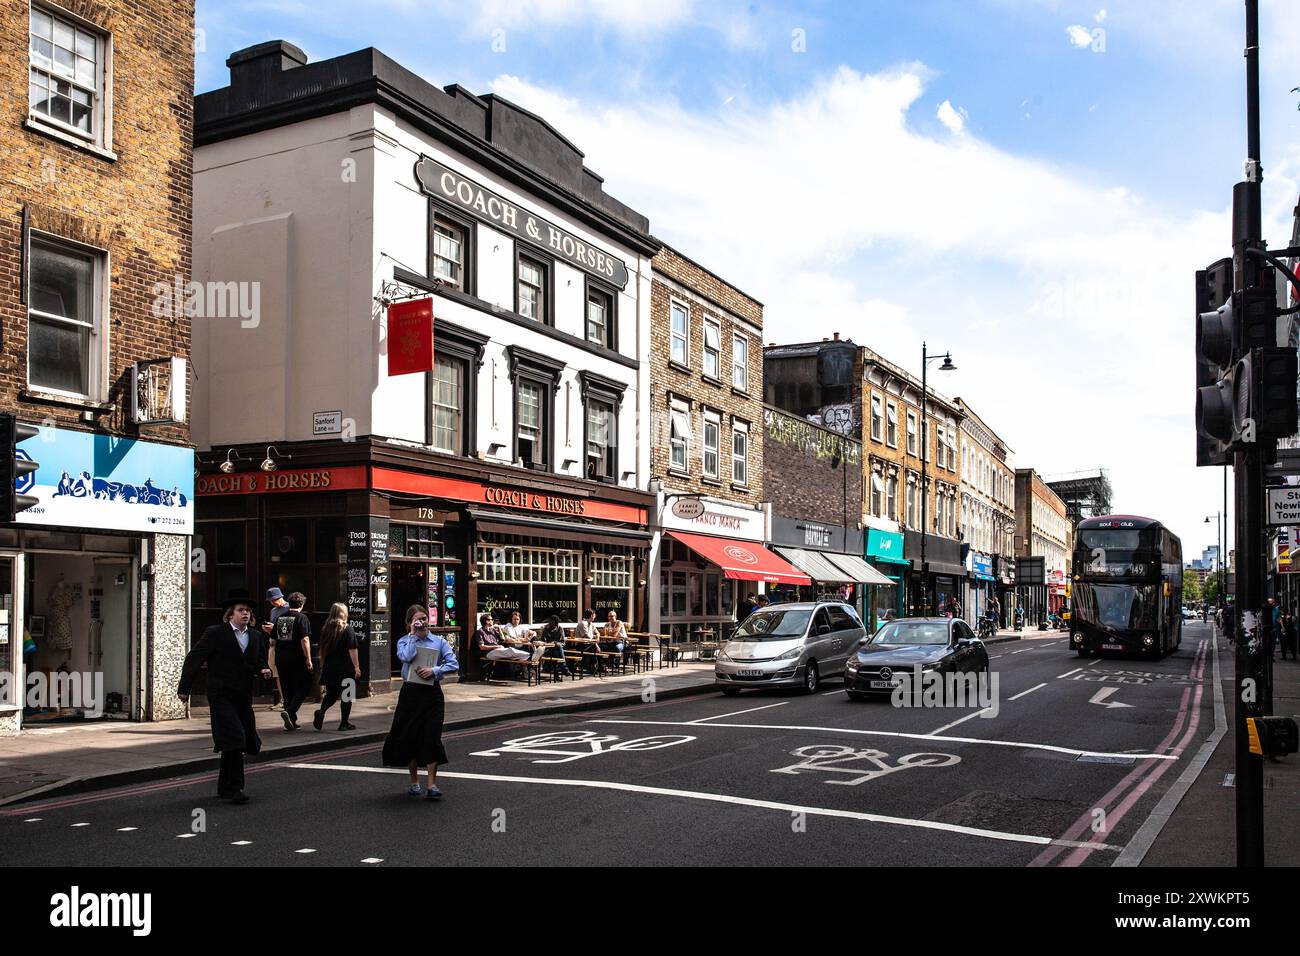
742	560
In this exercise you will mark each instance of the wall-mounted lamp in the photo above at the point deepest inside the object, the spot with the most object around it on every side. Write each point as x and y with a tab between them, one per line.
228	465
473	575
641	583
268	463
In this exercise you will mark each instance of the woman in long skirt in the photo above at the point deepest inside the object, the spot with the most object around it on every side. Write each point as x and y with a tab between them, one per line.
415	739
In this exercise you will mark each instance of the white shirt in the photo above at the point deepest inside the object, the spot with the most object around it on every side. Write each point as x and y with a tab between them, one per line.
241	637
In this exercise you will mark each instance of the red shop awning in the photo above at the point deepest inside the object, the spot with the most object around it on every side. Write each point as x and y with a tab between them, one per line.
742	560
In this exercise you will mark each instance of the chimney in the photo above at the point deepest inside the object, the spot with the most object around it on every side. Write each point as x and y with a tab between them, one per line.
255	69
837	336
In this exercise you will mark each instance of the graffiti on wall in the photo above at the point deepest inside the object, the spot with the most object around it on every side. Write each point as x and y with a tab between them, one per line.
811	440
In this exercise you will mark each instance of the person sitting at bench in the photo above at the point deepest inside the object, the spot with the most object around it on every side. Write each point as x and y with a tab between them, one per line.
615	638
553	635
489	645
588	642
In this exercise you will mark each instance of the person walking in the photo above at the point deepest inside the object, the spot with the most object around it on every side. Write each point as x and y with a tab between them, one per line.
235	655
275	606
415	739
339	664
1289	635
291	657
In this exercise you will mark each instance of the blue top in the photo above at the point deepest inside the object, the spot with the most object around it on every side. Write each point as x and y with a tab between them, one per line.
447	663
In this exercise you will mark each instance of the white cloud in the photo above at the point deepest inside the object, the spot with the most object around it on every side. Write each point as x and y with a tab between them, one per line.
1101	15
1080	36
954	118
616	14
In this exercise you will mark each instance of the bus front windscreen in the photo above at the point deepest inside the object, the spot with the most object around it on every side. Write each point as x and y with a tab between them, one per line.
1118	607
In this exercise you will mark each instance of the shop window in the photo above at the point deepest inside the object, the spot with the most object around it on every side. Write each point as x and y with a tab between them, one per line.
217	564
415	541
65	318
711	595
679	585
331	544
287	541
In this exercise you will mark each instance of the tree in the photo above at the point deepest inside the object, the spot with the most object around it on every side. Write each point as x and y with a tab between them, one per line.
1211	589
1192	591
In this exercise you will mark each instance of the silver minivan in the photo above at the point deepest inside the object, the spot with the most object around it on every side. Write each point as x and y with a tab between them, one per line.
789	645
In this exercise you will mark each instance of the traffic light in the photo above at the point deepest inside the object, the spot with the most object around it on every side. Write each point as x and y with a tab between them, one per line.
15	466
1213	291
1272	736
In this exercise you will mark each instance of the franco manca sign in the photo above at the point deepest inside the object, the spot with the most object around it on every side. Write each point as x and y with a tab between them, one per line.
450	186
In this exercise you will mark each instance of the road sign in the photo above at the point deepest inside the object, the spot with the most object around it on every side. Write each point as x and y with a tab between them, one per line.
1284	505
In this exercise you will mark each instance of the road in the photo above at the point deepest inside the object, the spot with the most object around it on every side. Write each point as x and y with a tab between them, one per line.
1076	758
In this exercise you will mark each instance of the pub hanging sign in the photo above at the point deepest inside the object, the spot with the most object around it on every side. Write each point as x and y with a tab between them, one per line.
450	186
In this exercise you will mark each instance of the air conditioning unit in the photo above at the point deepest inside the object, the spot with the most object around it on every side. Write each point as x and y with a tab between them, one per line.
158	391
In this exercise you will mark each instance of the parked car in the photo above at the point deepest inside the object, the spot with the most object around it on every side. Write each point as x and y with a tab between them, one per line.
789	645
935	643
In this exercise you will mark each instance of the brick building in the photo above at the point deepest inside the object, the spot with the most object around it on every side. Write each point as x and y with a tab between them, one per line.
706	448
1043	531
988	515
94	253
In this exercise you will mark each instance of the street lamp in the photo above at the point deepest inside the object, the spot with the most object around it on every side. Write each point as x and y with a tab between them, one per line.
947	366
1218	529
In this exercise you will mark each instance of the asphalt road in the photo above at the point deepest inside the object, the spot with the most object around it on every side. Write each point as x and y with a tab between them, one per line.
1077	756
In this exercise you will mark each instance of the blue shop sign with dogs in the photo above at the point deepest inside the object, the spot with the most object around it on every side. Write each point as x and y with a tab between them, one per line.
110	483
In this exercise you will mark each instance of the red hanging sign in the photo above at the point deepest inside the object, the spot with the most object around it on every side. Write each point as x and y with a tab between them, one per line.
410	336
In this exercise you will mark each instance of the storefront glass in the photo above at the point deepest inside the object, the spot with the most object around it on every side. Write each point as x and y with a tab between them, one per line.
536	582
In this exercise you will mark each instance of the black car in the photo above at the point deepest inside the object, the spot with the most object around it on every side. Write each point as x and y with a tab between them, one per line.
945	645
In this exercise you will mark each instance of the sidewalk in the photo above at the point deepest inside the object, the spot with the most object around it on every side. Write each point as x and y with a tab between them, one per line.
1202	828
76	757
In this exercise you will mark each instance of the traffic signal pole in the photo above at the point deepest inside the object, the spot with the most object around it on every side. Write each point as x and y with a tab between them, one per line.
1249	477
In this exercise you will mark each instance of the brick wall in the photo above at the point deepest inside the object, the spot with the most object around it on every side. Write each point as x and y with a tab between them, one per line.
812	473
137	207
706	296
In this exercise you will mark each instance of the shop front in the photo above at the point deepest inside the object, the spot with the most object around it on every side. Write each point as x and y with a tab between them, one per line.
940	581
92	581
379	529
980	584
831	556
884	552
1004	572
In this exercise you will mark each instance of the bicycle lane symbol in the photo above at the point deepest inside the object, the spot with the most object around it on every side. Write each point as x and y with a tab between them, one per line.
568	746
862	765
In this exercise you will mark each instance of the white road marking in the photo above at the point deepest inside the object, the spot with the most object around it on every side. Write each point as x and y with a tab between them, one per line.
185	836
739	712
373	859
1025	693
956	722
786	808
33	820
1023	745
244	842
305	850
1068	673
80	825
828	693
994	657
127	829
1101	695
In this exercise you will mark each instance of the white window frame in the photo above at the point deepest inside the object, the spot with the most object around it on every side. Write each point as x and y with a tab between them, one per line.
891	497
739	458
679	436
606	308
712	351
740	368
891	423
462	374
715	420
913	429
684	337
538	288
460	264
97	350
877	418
100	137
877	494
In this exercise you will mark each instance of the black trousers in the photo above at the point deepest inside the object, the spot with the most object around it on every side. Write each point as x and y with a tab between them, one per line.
231	778
334	693
296	681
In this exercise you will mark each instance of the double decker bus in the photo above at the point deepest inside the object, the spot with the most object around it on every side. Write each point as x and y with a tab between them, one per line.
1127	591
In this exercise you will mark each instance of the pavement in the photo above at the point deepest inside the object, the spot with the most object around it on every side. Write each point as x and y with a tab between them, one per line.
48	761
1068	770
1201	828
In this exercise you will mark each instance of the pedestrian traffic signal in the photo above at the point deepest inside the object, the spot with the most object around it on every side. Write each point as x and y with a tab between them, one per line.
15	466
1272	736
1213	357
1264	394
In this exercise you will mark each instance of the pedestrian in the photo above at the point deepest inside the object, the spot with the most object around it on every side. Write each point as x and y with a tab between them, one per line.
339	664
1230	623
1289	636
275	606
745	607
1020	617
235	655
415	739
291	657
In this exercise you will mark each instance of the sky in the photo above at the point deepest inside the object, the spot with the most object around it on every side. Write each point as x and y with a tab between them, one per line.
1029	184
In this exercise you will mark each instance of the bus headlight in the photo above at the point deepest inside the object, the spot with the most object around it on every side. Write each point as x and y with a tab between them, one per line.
1148	640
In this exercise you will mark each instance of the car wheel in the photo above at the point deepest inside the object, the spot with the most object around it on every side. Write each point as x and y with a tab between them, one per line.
730	691
811	679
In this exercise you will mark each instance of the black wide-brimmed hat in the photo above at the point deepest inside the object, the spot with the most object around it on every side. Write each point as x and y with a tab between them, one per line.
238	596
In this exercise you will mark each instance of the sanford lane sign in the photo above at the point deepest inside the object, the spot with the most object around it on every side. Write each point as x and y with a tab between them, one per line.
450	186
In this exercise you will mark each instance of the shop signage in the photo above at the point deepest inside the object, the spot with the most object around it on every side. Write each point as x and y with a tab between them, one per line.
506	496
272	482
410	336
885	546
816	536
448	185
688	508
982	566
719	518
88	480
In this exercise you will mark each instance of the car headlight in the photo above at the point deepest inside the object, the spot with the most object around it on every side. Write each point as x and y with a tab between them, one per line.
790	655
723	656
851	664
932	666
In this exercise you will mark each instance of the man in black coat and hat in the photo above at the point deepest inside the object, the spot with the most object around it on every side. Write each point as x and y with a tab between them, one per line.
235	654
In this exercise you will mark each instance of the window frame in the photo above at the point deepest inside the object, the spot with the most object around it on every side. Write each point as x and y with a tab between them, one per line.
678	407
713	418
597	390
714	325
740	430
610	294
466	347
100	137
546	294
673	337
743	367
469	247
97	349
533	369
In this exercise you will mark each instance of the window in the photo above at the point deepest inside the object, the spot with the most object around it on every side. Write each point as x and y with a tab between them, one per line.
939	445
911	503
891	497
740	362
681	334
600	317
530	301
679	436
449	252
911	433
877	493
712	349
740	453
712	427
602	450
952	450
448	405
925	440
67	78
877	422
516	565
891	424
65	317
530	438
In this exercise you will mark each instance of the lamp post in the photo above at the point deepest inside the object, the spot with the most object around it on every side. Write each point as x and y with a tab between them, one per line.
947	366
1218	530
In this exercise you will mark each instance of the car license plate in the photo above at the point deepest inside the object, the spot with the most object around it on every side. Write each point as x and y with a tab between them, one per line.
884	684
750	673
1112	647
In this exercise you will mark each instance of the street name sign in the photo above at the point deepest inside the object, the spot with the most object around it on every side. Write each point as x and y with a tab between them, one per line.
1284	505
